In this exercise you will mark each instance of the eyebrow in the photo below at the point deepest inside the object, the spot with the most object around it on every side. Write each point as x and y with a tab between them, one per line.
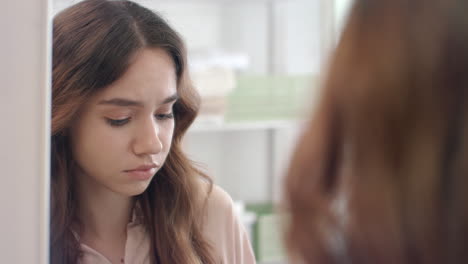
127	102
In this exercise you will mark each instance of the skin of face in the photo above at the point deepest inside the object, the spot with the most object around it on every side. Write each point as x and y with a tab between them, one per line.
126	126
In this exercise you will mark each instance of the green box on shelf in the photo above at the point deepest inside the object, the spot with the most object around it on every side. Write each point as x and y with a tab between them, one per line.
267	234
268	97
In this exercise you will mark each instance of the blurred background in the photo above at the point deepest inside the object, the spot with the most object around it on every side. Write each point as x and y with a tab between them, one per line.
257	65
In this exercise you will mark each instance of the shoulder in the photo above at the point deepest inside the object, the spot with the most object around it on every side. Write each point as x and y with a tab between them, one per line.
222	228
218	206
219	201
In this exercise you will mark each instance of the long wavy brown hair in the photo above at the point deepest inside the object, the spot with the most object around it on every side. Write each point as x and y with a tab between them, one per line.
380	174
94	42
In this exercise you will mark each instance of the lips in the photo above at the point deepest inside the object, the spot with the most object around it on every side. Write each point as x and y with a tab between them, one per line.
143	172
144	167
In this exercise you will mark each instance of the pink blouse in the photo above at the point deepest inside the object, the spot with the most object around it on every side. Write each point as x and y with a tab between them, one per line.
222	229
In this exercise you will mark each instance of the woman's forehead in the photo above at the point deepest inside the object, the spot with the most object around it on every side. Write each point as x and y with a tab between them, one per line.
150	78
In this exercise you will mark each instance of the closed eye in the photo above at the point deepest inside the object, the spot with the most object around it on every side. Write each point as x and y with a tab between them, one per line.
118	122
164	116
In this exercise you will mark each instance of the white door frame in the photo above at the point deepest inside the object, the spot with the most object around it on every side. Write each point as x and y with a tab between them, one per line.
25	70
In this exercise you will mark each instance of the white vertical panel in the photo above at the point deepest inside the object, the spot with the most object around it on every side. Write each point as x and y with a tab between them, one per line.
24	141
298	36
197	21
328	29
342	9
245	29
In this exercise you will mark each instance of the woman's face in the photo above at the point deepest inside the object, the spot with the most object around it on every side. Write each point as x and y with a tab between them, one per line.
124	133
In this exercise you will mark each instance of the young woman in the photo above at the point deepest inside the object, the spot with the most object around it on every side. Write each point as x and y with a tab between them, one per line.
122	189
380	175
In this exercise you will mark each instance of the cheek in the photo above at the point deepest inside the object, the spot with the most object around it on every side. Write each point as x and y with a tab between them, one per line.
94	146
166	136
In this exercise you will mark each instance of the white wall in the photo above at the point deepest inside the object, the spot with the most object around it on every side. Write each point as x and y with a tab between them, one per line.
342	8
197	22
249	162
236	160
24	126
299	23
280	36
245	29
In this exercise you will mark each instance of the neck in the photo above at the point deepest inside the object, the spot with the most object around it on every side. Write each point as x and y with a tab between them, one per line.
104	215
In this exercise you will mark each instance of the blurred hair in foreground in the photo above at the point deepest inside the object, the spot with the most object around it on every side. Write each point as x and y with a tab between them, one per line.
380	174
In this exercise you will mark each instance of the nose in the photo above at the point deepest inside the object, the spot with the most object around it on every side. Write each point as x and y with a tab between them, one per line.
147	140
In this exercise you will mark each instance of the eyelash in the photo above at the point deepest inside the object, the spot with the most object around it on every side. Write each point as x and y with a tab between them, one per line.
122	122
118	122
164	116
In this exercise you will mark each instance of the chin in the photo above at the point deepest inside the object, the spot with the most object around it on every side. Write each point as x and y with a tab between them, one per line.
135	189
